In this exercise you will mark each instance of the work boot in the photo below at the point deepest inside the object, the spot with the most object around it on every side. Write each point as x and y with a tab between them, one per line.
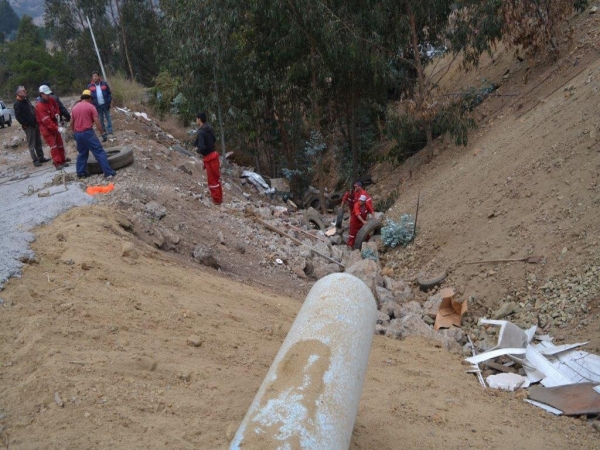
67	159
44	160
37	163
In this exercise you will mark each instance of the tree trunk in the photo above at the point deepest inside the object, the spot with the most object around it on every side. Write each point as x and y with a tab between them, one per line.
317	121
353	135
220	115
124	40
420	74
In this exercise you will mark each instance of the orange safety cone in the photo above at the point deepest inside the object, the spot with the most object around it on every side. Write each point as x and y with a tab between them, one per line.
94	190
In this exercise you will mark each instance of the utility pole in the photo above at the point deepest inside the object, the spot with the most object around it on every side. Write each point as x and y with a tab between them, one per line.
96	47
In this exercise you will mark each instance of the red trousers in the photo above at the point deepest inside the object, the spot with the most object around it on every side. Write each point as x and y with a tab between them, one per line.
57	149
355	226
213	175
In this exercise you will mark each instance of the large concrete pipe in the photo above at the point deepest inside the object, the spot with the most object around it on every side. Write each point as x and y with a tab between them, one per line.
309	398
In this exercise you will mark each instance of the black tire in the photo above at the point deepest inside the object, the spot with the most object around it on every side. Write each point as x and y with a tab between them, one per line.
1	121
335	199
429	283
339	219
373	226
9	123
313	219
315	203
118	157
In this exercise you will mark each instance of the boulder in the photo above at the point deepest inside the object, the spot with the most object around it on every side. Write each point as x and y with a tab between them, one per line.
382	318
453	333
204	255
368	271
401	291
280	184
383	295
155	210
410	325
432	305
410	308
322	270
129	251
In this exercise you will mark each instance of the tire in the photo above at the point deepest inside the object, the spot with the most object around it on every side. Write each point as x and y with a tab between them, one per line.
339	219
313	219
118	157
1	121
315	203
335	199
9	123
373	226
429	283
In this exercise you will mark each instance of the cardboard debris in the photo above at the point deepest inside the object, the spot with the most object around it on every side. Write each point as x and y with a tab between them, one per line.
507	381
572	400
450	312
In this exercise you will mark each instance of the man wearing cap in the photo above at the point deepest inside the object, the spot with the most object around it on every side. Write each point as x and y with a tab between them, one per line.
357	219
46	112
25	115
101	99
83	117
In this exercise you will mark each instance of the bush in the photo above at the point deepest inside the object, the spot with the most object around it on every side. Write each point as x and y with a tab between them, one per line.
125	91
394	233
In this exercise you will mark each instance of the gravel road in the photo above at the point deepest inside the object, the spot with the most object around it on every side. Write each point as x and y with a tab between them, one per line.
20	212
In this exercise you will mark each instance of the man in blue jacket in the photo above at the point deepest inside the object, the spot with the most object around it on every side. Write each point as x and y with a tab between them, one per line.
101	99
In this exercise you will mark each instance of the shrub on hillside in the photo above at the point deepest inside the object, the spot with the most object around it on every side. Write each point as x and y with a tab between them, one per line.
125	91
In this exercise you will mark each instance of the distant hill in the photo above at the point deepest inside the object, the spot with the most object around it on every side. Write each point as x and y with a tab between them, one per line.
33	8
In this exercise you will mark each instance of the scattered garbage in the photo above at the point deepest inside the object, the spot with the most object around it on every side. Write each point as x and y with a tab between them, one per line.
450	312
94	190
569	377
507	381
394	233
258	181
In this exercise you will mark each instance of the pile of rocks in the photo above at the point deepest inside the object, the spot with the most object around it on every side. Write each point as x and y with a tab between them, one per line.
400	315
560	302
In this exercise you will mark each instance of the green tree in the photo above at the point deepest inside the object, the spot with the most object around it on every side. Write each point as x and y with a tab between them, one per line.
9	21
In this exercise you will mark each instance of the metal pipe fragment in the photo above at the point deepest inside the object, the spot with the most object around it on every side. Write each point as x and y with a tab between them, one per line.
309	398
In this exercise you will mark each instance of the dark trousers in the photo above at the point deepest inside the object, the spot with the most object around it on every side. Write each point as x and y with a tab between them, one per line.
88	142
104	114
34	142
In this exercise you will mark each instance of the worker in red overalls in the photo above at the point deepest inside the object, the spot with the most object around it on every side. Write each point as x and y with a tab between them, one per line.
358	218
46	113
205	144
350	198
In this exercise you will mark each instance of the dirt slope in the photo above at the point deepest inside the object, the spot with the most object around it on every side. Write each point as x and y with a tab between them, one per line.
109	335
527	184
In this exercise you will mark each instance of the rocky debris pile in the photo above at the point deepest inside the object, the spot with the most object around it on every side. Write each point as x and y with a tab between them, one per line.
561	302
400	315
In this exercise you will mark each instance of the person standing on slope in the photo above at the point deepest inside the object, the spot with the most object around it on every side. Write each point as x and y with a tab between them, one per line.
205	145
46	112
357	219
25	115
101	99
84	117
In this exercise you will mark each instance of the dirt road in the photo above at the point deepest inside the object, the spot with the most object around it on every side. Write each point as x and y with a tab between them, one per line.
108	335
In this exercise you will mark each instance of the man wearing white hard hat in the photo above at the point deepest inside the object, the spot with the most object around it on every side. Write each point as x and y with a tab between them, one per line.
46	112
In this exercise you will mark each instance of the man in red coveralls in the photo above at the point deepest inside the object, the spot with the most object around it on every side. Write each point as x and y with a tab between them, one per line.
351	197
205	144
358	218
46	111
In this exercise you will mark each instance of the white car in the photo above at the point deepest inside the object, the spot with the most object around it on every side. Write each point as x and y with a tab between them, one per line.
5	115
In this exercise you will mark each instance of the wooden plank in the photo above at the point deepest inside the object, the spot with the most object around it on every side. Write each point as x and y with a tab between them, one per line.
572	399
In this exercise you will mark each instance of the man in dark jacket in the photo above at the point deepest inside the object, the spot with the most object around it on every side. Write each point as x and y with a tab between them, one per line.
205	144
25	115
101	99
